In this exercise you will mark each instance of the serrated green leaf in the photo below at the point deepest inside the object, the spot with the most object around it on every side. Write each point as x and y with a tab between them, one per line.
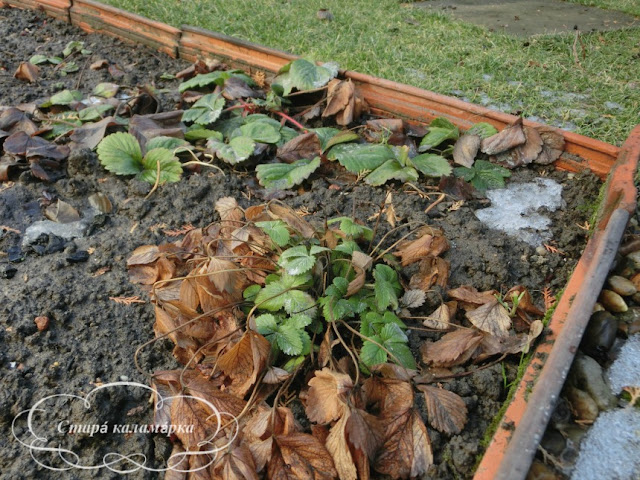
238	149
277	231
391	170
391	332
202	134
262	132
334	308
352	229
297	301
386	287
304	75
266	324
271	297
170	167
68	67
298	321
484	175
170	143
206	110
96	112
371	354
106	90
340	137
325	134
348	246
483	130
218	77
360	157
280	176
440	129
289	339
120	153
73	46
65	97
402	352
296	260
432	165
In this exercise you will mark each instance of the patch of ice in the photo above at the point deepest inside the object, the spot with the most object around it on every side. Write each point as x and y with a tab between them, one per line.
625	370
514	210
610	448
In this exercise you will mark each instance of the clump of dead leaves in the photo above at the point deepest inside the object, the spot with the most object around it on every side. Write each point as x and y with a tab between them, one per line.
239	402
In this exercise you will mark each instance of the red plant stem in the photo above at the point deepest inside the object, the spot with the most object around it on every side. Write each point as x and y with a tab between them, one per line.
235	107
291	120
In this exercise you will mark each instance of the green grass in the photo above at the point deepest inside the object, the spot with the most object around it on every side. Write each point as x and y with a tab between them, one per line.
430	50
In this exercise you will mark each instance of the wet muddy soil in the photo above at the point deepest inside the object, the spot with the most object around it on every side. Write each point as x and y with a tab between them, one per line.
91	340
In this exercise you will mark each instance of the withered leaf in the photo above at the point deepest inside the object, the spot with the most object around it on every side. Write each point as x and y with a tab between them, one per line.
441	318
305	146
235	463
430	242
390	130
27	71
144	255
342	102
413	298
90	134
510	137
300	456
525	303
167	124
454	348
61	212
244	361
552	146
466	149
406	451
338	447
14	120
469	297
235	87
6	162
522	154
201	387
179	462
192	412
432	271
229	211
447	411
391	396
290	217
20	143
456	187
492	318
275	375
326	400
98	64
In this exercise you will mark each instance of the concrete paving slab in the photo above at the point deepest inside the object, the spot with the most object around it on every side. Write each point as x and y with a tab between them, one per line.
532	17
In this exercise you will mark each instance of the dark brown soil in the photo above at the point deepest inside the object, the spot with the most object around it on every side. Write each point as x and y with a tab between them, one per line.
92	339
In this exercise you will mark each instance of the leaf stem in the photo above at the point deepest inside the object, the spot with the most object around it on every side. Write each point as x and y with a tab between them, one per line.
291	120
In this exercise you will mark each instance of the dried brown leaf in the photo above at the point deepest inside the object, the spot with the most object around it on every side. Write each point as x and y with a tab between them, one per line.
305	146
390	130
454	348
492	318
90	134
466	149
342	102
166	124
510	137
27	72
127	300
522	154
61	212
447	411
441	318
468	297
432	271
300	456
291	218
430	243
413	298
244	361
144	255
326	400
235	463
552	147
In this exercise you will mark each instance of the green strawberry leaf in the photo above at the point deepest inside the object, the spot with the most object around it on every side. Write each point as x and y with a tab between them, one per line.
206	110
218	77
432	165
170	143
289	339
65	97
440	129
386	287
371	354
483	130
277	231
280	176
304	75
391	170
266	324
483	175
352	229
94	113
120	153
170	167
358	158
238	149
200	133
262	132
106	90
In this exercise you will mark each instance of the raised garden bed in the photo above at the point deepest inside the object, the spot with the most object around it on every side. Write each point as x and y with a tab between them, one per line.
75	296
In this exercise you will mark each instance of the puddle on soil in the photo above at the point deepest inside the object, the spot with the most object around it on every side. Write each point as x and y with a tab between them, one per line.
516	210
532	17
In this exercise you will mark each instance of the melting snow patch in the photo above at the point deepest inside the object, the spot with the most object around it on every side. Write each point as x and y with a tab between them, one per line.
610	449
625	370
514	210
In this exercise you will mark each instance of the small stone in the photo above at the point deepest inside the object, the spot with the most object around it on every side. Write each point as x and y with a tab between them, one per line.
621	286
612	301
636	281
124	378
598	307
42	323
8	271
586	374
78	257
636	298
629	316
15	254
541	471
575	433
633	260
600	334
583	405
553	442
540	250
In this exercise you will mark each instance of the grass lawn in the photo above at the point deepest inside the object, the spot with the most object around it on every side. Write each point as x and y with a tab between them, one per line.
598	97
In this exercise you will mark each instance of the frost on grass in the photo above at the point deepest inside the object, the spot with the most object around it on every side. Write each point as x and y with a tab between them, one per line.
518	210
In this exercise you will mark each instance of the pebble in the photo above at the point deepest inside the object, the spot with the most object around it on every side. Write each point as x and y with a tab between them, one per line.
540	250
15	254
621	286
583	405
42	323
587	375
636	298
124	378
600	334
541	471
636	281
553	442
8	271
612	301
78	257
598	307
633	260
